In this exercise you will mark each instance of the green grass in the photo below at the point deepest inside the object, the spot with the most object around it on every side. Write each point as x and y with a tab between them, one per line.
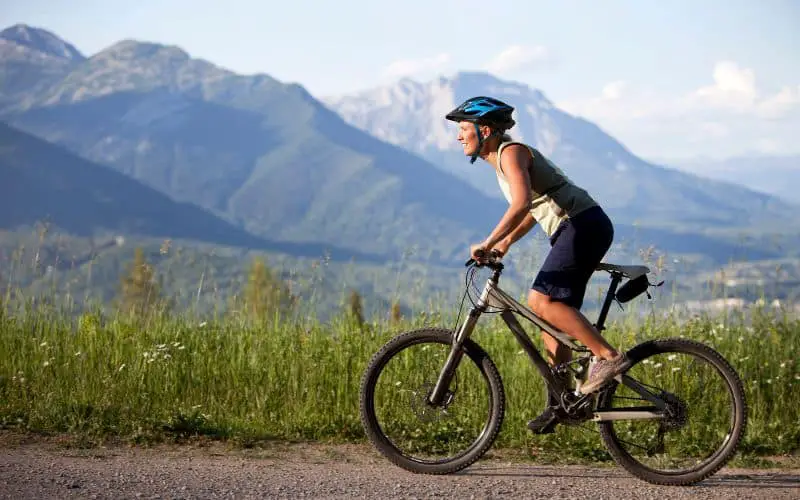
169	377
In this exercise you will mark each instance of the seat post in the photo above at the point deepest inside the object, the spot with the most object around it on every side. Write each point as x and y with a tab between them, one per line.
612	289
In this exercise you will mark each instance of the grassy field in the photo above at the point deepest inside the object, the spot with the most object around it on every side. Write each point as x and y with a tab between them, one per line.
165	377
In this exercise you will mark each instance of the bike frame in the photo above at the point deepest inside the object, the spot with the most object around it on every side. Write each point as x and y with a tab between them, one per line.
493	296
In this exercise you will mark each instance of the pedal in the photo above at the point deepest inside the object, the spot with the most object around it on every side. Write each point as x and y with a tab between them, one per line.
544	423
547	428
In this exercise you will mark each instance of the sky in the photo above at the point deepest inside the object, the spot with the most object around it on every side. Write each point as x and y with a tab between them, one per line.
670	80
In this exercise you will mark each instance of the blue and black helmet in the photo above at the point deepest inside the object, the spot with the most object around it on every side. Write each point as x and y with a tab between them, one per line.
484	110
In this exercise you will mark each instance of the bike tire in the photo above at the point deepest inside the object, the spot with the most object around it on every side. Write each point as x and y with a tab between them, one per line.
372	427
721	456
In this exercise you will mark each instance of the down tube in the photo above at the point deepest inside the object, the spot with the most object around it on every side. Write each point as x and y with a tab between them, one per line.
530	349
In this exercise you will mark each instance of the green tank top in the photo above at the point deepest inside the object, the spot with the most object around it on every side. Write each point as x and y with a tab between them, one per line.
554	197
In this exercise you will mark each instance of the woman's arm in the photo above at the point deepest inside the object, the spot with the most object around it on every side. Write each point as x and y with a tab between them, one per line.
526	225
515	159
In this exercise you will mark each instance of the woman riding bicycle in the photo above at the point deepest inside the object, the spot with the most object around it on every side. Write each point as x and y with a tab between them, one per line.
579	230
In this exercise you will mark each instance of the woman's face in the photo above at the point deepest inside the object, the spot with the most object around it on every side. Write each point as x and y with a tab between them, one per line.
468	136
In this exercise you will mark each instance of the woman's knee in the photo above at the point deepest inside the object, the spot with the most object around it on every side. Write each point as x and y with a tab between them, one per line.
538	302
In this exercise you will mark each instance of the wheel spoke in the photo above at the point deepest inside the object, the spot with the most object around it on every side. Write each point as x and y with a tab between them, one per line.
703	415
405	426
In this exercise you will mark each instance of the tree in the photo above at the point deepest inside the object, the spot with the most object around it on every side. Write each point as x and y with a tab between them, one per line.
140	293
396	313
355	309
264	292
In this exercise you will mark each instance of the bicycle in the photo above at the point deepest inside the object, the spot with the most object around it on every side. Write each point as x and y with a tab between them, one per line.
432	392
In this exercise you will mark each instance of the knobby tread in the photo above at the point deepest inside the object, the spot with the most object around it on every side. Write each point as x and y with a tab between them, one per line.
474	353
630	464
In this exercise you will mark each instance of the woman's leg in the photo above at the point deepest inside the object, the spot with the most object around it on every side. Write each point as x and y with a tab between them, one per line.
569	320
558	290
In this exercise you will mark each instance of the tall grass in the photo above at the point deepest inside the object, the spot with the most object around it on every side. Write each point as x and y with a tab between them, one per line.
166	376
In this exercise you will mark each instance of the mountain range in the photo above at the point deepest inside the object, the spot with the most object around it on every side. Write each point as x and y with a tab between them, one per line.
411	115
162	144
772	174
259	153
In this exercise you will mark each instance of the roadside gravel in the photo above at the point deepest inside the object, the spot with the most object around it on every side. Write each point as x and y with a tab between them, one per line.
47	470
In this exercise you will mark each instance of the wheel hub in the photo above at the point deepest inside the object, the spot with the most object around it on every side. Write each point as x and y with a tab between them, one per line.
423	409
676	412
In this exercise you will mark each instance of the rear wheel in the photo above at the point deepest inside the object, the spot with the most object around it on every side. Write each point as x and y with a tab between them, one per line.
705	415
411	432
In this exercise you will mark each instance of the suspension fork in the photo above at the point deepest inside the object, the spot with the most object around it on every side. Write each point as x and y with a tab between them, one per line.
456	351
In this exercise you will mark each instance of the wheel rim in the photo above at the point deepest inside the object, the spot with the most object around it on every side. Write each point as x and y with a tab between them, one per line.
703	419
413	429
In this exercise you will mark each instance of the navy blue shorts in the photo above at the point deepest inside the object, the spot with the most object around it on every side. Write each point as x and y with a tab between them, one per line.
576	248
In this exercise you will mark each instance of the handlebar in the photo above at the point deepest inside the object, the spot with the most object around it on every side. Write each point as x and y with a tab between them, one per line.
493	262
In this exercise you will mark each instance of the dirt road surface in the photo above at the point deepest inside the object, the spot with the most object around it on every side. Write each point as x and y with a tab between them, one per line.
36	470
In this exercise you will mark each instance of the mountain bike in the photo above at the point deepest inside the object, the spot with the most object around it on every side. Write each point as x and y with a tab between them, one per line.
675	417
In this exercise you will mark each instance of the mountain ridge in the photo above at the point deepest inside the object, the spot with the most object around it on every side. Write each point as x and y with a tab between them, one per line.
41	40
252	149
632	189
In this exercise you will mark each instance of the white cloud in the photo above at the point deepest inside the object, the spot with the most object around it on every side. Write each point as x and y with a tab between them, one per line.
517	58
728	115
614	90
733	88
780	104
411	67
767	145
714	129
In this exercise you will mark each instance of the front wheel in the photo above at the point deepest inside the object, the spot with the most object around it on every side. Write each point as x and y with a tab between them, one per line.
701	426
411	432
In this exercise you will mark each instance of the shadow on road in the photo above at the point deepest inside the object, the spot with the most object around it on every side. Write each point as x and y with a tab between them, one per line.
729	480
754	481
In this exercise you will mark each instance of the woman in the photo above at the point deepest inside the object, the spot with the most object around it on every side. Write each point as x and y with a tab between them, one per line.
579	230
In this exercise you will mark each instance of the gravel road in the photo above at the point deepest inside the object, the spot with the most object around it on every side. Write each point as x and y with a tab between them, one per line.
36	470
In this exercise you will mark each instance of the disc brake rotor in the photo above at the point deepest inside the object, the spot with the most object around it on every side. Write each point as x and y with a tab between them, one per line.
425	411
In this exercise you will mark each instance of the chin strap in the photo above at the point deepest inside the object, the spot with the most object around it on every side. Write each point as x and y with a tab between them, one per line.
480	144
